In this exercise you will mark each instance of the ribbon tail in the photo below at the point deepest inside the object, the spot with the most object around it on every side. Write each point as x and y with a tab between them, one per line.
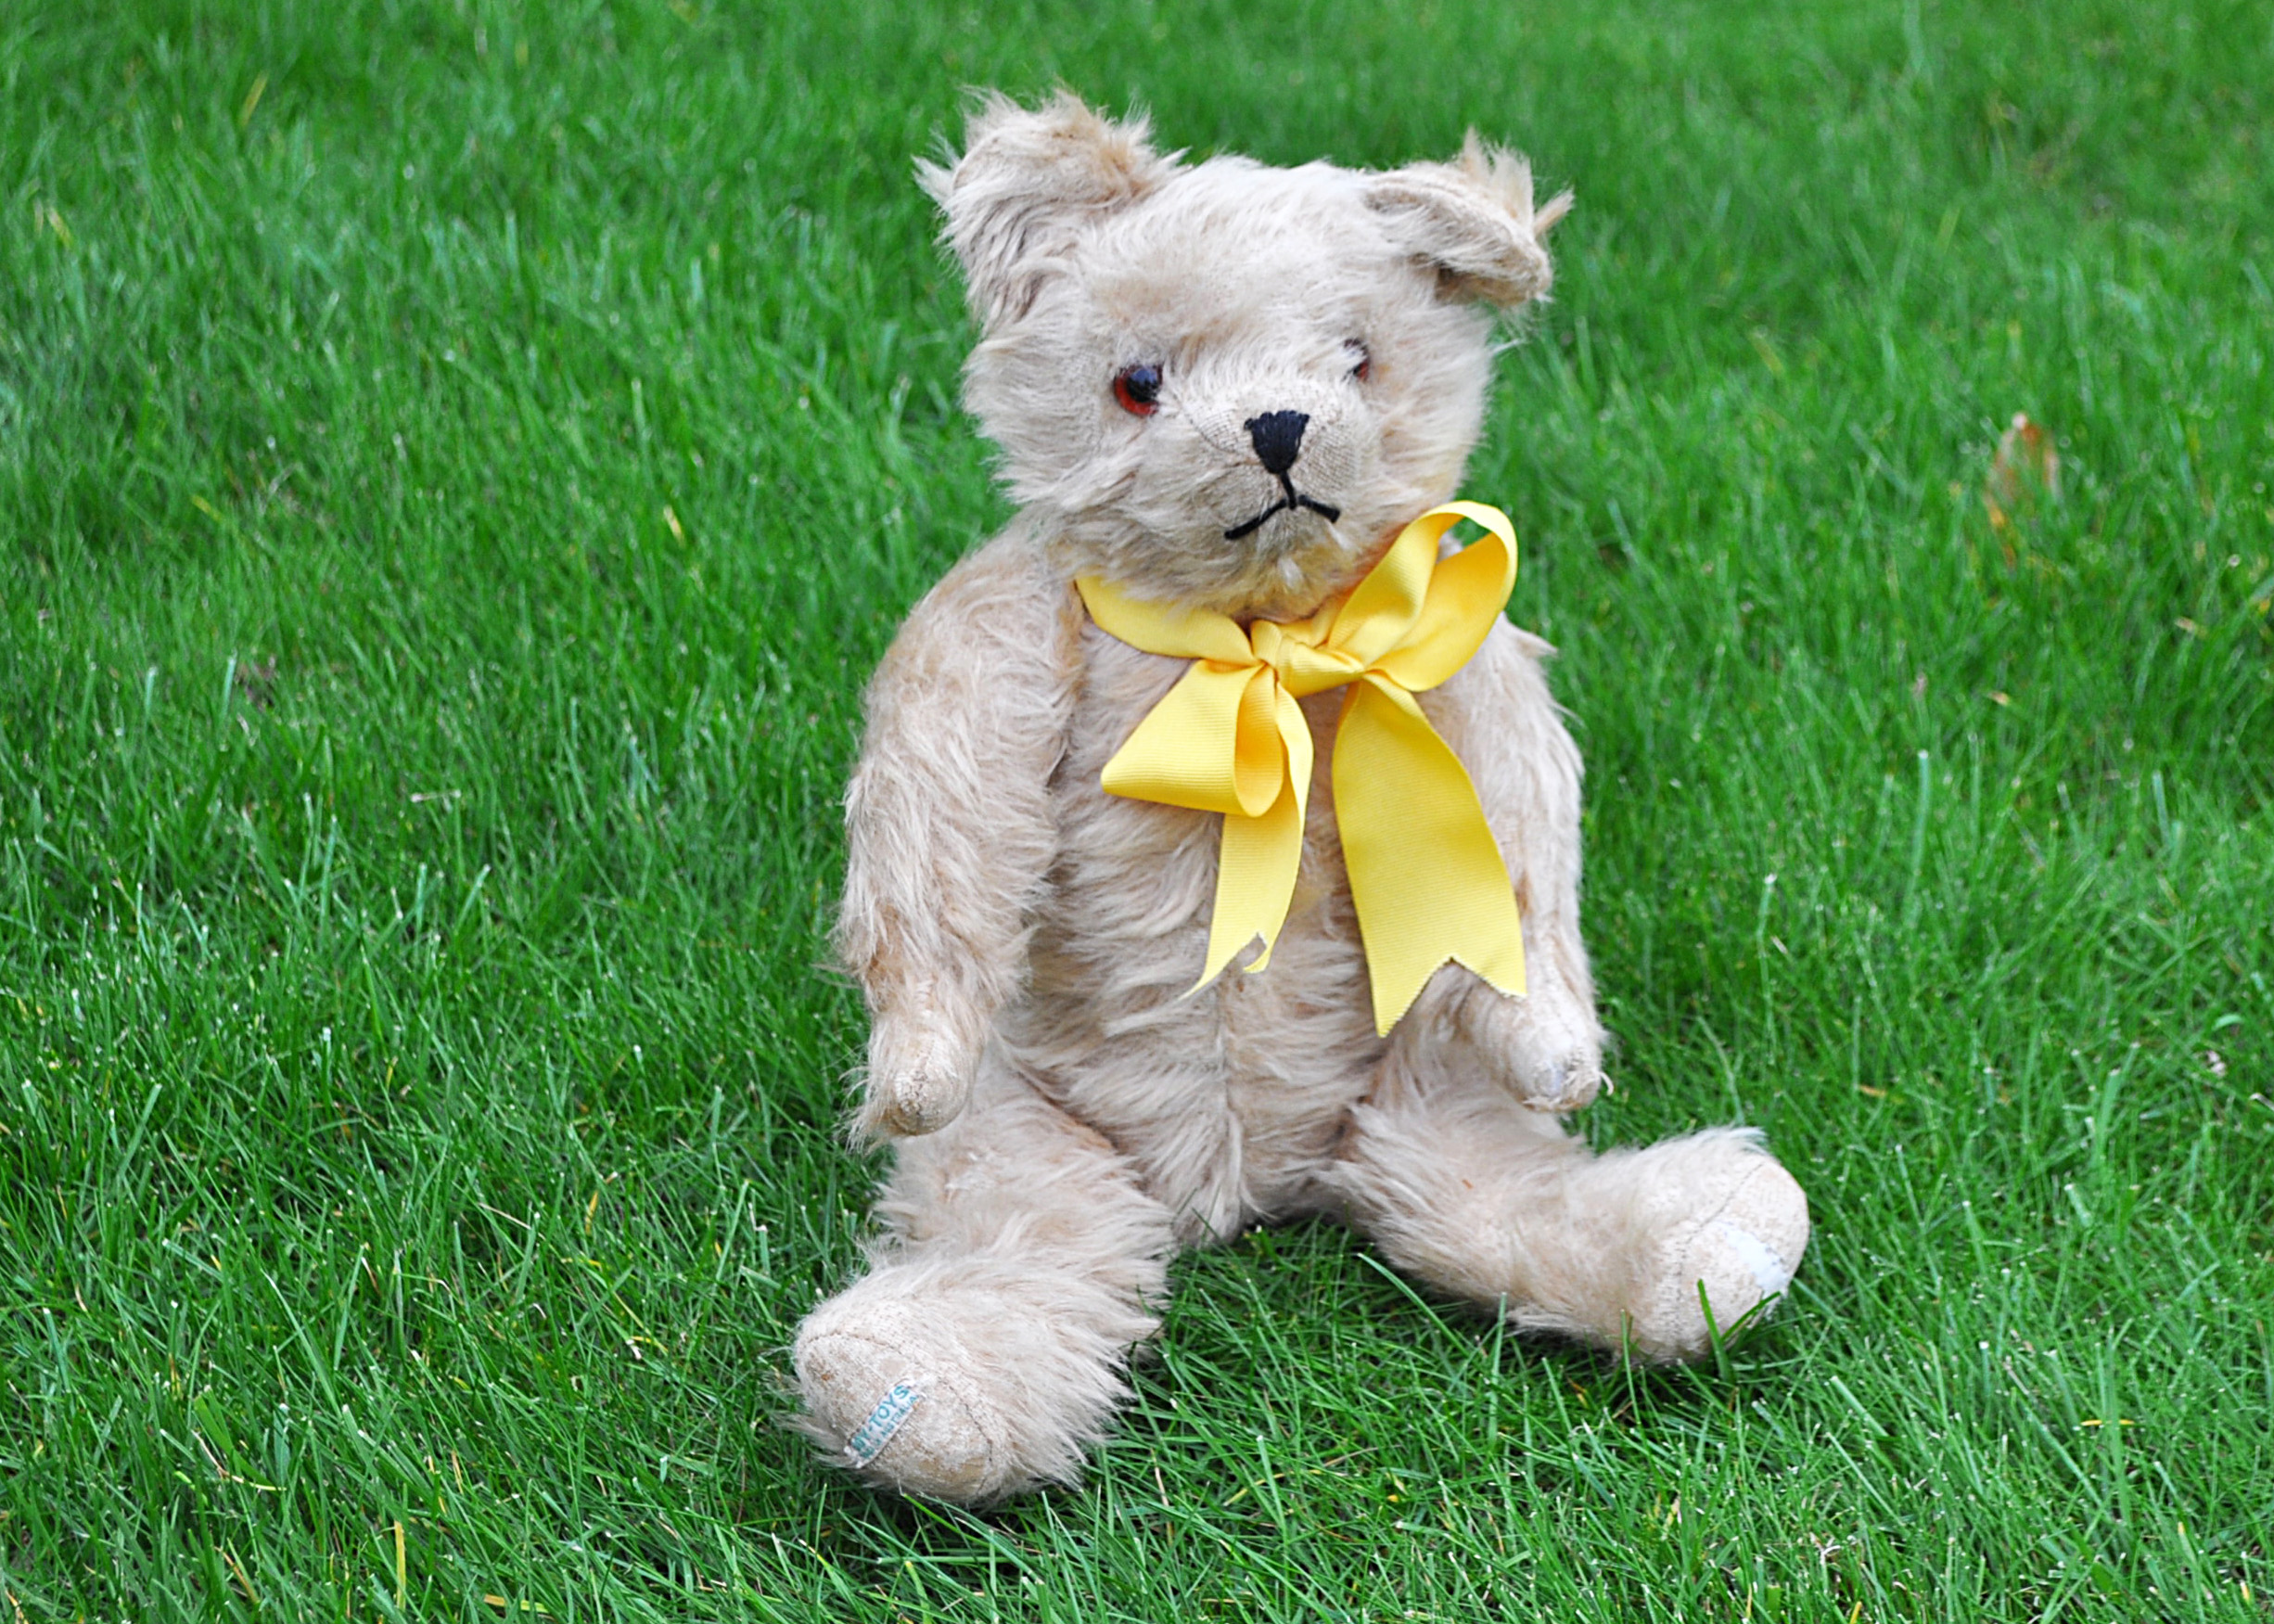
1425	873
1255	881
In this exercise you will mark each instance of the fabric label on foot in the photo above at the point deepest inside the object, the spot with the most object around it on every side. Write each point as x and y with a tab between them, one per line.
870	1437
1770	1270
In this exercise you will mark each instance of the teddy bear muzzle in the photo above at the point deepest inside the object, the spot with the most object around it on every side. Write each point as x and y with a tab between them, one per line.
1278	440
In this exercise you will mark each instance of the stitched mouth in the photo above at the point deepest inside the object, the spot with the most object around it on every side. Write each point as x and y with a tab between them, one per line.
1291	500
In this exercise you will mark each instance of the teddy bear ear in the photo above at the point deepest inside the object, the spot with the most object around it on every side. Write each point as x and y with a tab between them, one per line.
1026	185
1473	219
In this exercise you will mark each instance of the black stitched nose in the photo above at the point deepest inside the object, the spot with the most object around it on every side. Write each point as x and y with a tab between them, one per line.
1278	437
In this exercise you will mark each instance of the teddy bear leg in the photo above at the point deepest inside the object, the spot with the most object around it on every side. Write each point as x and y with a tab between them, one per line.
1465	1188
984	1350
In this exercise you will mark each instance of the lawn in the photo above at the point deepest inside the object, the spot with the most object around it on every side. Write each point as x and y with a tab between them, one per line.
457	465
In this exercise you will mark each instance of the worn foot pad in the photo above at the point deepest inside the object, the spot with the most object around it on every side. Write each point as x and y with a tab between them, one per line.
1742	1250
886	1396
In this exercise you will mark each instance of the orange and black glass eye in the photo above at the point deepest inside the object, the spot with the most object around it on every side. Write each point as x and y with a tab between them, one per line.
1139	389
1363	367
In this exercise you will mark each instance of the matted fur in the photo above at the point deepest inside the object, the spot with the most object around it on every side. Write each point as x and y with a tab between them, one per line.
1067	1111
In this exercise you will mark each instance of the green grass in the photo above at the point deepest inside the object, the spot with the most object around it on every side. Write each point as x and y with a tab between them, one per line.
457	464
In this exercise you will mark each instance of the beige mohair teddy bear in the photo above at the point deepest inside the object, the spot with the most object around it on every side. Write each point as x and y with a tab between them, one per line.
1221	391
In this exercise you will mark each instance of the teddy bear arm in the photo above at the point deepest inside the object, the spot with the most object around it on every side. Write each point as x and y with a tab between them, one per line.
1499	717
949	825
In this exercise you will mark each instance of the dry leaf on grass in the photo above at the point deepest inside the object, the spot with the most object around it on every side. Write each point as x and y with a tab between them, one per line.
2026	463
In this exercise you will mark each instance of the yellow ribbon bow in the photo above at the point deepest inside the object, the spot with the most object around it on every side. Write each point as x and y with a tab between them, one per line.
1425	873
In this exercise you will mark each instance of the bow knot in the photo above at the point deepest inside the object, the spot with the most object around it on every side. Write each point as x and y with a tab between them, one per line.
1425	873
1304	666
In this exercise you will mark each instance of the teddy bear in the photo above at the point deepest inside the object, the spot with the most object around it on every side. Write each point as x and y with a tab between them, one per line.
1214	843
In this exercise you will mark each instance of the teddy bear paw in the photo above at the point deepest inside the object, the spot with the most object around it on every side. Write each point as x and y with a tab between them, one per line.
919	1077
1560	1083
1547	1050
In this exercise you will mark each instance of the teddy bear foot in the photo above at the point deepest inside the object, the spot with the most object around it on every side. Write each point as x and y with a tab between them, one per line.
886	1398
966	1379
1738	1245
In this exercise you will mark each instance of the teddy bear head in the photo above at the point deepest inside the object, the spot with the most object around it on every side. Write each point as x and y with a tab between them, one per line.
1221	384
